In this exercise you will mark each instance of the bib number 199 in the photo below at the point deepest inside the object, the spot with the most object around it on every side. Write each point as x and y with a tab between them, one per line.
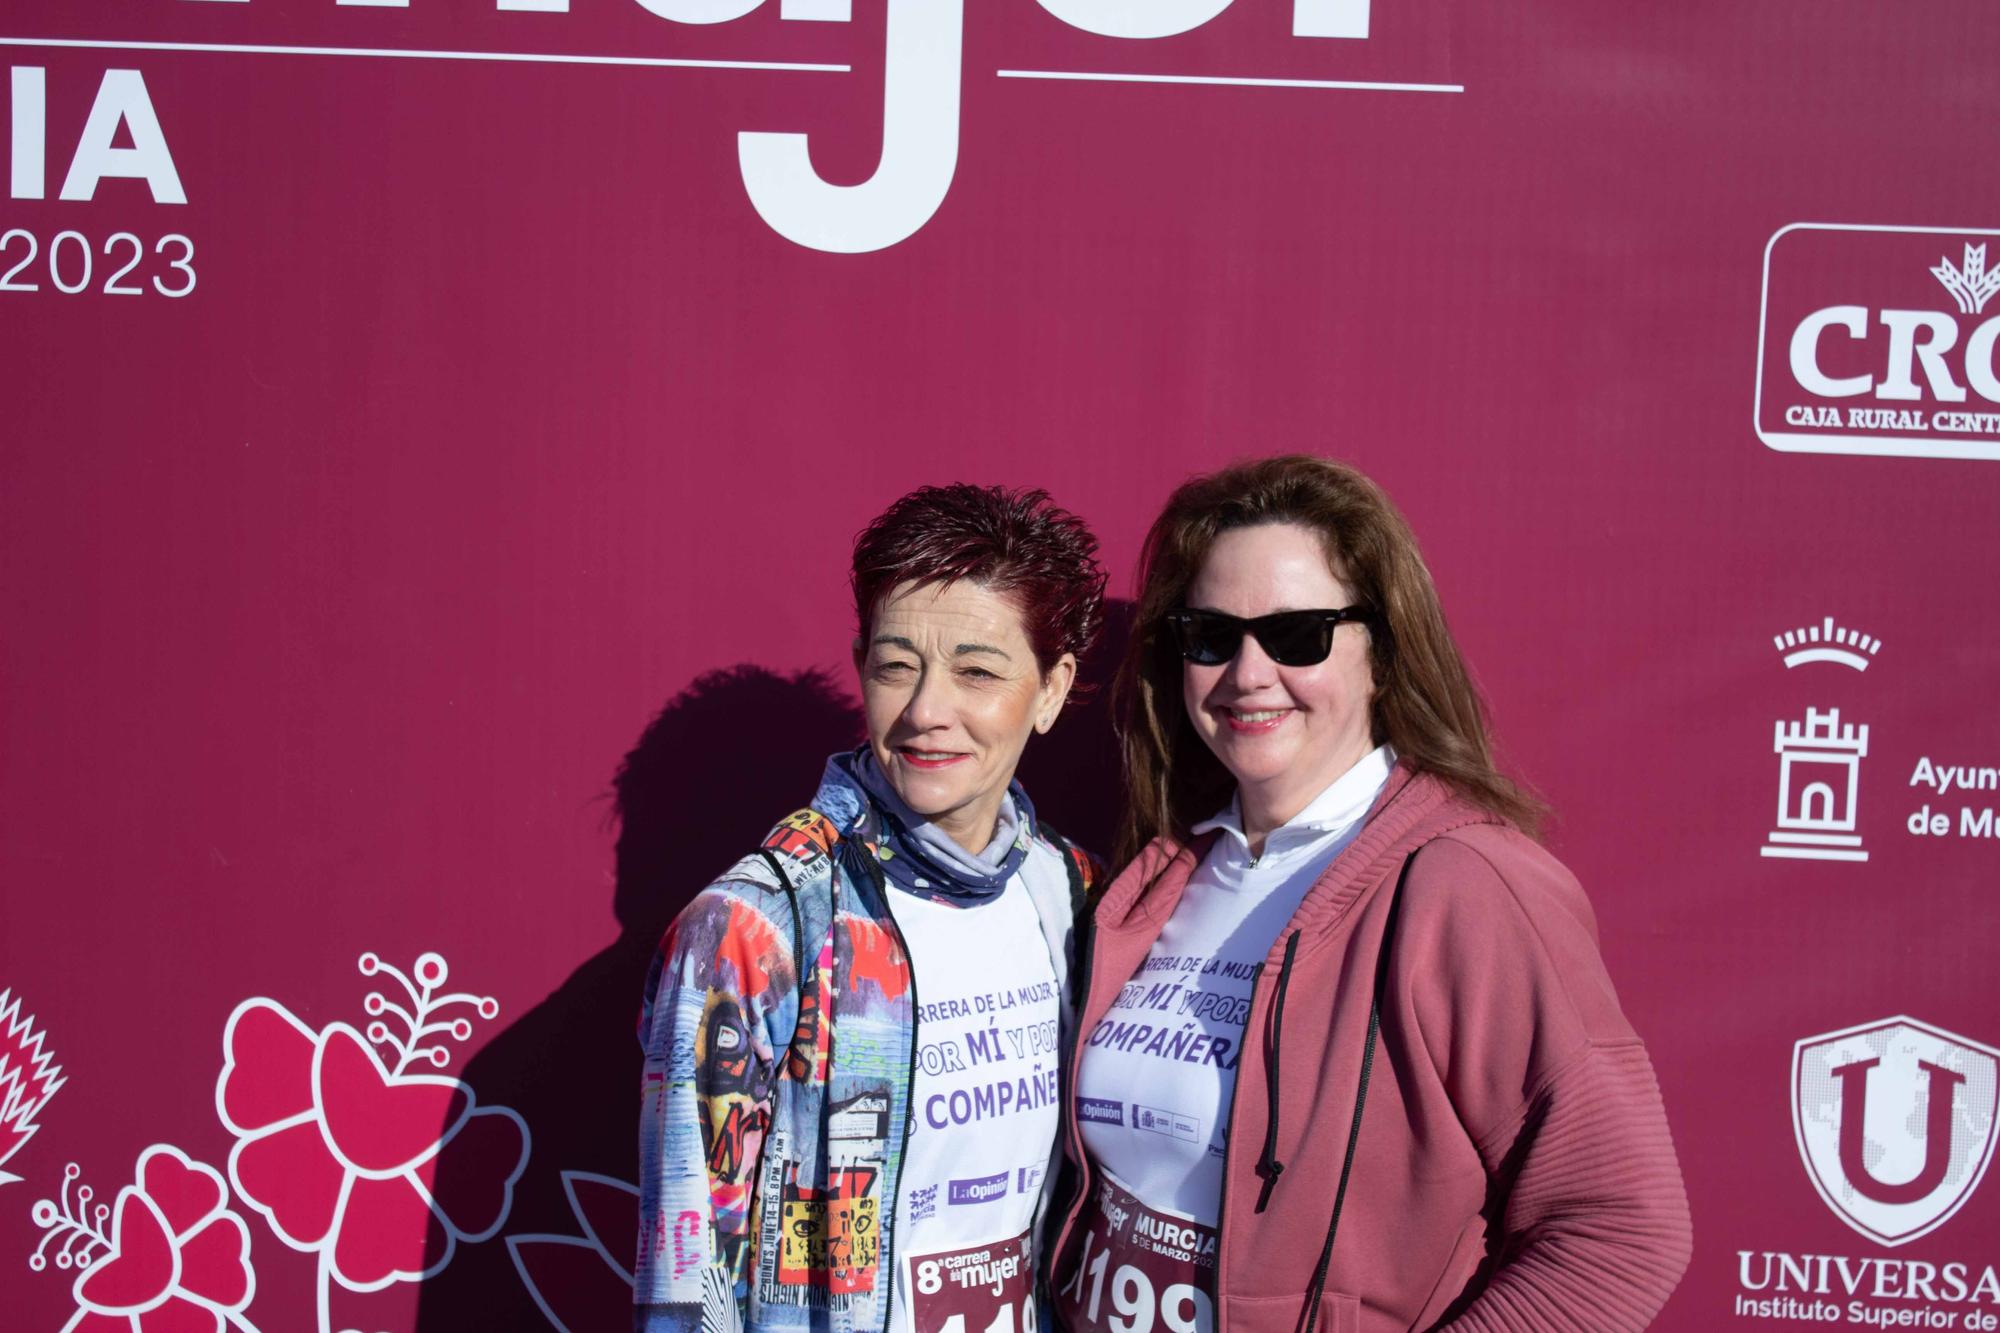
1135	1305
1138	1269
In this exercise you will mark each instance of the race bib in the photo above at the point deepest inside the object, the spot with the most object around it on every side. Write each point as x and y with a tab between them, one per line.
979	1289
1139	1269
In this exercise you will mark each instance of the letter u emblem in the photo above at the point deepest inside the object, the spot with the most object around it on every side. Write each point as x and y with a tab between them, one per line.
1942	1086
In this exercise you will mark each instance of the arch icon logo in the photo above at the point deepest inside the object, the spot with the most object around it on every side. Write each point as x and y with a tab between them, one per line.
1880	340
1895	1123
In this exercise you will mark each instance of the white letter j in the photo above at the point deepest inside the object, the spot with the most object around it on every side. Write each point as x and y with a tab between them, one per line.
920	92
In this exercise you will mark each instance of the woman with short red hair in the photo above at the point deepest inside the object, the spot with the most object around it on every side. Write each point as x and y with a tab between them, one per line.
851	1084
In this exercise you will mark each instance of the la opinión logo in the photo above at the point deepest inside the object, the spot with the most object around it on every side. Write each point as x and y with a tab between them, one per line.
979	1189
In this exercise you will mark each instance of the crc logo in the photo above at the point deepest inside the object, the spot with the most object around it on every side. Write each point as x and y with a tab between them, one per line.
1895	1122
1878	340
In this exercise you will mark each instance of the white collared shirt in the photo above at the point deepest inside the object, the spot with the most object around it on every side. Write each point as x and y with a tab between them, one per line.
1315	835
1159	1069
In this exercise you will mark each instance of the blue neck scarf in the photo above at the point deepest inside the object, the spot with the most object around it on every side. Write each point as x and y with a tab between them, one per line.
918	856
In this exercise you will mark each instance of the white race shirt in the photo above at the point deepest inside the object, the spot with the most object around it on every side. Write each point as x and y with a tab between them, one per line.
983	1112
1153	1092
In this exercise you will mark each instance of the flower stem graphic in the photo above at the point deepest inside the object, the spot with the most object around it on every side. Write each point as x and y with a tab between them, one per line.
314	1102
81	1227
424	1004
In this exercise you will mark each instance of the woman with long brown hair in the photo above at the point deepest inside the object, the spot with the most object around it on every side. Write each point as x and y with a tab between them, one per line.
1347	1056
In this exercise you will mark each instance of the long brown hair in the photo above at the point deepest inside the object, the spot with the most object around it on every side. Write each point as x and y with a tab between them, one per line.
1424	706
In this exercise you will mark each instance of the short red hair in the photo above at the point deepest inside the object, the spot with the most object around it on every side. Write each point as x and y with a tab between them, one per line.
1018	543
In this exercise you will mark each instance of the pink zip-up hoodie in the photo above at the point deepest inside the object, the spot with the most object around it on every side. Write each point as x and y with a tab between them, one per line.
1512	1167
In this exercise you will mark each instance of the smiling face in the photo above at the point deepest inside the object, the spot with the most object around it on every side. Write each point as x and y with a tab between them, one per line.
952	690
1284	733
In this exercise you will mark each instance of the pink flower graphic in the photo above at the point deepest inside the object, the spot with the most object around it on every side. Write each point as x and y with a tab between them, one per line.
174	1258
338	1151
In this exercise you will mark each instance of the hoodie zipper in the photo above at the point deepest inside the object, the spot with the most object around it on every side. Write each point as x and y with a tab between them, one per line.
1229	1138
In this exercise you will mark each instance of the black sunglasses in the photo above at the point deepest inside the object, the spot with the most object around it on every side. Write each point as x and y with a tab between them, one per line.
1289	638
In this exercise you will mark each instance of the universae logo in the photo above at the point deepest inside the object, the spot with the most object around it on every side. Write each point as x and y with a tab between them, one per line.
1895	1123
1877	340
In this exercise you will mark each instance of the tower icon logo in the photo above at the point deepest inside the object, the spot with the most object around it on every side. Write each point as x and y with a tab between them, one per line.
1819	757
1827	642
1819	776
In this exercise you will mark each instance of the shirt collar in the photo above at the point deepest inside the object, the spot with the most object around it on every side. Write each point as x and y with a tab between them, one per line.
1337	808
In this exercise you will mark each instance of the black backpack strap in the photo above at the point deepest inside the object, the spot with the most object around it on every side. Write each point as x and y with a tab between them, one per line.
1079	864
808	838
791	901
1062	1188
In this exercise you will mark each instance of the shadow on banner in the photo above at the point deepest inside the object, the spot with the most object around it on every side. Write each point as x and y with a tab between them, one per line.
723	760
707	777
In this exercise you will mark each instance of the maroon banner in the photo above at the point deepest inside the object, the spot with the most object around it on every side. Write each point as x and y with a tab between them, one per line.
435	432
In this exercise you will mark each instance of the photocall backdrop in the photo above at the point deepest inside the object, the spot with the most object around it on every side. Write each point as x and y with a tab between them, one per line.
414	409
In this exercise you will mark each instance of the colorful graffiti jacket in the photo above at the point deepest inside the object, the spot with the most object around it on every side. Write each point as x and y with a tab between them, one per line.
775	1114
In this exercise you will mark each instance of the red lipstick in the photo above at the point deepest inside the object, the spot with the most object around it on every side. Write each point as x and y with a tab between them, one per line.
917	760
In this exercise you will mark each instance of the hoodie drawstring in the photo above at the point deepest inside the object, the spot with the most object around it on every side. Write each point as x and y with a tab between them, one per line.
1381	990
1268	1165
